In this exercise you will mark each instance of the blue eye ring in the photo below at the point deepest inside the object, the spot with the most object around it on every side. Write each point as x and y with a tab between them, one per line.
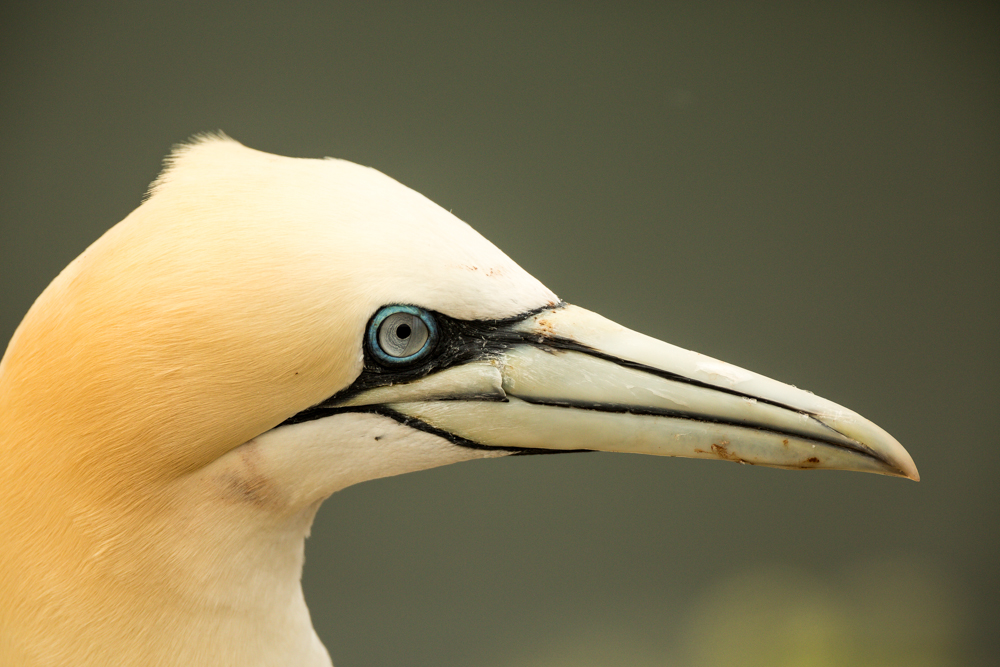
385	316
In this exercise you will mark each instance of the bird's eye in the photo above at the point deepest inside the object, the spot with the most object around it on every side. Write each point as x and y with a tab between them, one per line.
401	334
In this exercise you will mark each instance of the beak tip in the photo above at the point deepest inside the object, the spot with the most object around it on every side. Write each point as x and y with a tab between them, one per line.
904	463
893	457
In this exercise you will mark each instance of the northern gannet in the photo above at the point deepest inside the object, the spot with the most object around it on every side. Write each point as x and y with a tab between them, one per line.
264	331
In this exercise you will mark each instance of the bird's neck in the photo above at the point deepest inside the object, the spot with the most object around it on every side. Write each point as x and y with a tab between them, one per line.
183	567
215	579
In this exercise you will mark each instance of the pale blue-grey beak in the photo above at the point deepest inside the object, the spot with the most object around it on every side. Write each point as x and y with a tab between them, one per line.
573	380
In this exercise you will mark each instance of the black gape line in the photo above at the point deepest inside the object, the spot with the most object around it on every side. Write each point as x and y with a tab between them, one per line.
458	342
462	341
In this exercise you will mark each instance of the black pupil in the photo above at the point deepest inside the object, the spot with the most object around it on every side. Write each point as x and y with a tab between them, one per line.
403	331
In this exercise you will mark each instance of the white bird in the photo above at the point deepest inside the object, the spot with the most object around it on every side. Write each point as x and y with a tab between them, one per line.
264	331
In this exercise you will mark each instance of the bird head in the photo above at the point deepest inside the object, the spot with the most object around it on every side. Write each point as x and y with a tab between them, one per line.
263	331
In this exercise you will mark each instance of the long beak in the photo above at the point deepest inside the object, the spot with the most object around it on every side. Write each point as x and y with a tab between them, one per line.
574	380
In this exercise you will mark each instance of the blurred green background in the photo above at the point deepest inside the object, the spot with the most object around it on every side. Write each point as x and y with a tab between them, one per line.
809	190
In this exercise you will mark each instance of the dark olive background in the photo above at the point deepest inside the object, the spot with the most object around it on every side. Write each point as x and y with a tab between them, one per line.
809	190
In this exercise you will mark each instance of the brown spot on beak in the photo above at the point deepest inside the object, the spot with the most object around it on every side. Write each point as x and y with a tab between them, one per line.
545	328
722	451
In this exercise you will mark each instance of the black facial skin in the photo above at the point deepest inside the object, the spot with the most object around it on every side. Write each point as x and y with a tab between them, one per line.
459	342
